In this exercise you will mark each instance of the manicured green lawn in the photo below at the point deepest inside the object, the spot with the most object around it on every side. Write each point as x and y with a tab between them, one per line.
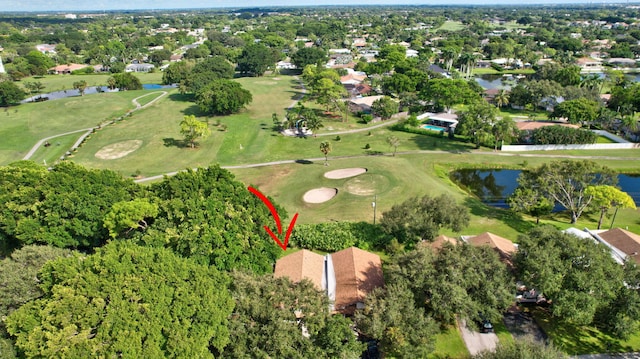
451	26
22	126
449	344
602	139
575	340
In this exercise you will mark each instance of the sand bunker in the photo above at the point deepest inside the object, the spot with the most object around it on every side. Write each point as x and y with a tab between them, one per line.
345	173
320	195
118	150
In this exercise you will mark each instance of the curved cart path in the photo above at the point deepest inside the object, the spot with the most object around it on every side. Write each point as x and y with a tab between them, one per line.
89	130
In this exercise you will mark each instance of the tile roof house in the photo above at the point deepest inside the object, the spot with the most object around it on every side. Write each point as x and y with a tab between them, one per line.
503	246
66	68
300	265
623	244
440	242
363	103
346	276
357	273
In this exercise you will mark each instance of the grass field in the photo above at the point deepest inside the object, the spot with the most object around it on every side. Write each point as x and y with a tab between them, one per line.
249	138
451	26
576	340
449	345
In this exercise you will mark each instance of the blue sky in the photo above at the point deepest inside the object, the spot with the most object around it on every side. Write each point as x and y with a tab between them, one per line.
82	5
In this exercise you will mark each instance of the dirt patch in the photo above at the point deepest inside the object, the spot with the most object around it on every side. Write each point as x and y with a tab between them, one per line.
320	195
345	173
118	150
367	184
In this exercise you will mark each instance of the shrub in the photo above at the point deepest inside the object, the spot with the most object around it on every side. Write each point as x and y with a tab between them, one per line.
366	118
367	146
338	138
335	236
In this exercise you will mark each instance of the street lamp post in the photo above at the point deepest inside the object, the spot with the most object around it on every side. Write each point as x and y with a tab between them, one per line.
373	204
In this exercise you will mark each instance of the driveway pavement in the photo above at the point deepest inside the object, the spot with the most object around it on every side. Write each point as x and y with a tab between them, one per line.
477	342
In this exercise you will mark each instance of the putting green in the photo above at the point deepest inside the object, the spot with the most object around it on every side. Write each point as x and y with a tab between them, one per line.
367	184
118	150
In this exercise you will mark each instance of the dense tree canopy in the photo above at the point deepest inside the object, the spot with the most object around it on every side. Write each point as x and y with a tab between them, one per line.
391	317
308	56
127	81
222	97
422	218
256	59
127	301
576	274
459	281
209	216
63	207
10	94
272	316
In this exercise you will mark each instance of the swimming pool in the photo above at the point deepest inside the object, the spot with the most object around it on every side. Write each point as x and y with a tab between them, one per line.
434	128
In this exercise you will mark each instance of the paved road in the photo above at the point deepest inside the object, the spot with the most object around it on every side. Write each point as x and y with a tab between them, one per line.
477	342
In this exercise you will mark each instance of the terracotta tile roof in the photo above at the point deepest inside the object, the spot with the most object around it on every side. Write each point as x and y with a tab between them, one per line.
357	272
440	240
534	125
503	245
299	265
626	241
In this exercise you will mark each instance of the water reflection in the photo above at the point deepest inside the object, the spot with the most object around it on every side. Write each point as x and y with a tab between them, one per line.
494	186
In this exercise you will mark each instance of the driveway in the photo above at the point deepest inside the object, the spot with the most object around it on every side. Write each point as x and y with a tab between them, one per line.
521	324
477	342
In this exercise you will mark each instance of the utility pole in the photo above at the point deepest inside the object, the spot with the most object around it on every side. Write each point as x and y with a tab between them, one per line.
373	204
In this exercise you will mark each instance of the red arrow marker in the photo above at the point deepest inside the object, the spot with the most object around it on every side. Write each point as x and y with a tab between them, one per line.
274	213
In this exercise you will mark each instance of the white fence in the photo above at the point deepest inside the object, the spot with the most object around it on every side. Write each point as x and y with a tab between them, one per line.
621	144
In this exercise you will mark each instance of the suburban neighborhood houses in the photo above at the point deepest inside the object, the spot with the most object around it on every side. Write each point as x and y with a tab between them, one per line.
333	181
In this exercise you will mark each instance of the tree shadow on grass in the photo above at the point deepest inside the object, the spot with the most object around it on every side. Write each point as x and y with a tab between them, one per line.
510	218
181	97
193	110
296	94
438	143
574	339
172	142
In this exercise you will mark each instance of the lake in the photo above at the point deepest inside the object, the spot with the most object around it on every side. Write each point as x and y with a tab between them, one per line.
494	186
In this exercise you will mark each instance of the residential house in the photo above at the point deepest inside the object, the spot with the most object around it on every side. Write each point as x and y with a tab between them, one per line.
624	245
505	248
139	67
621	62
589	64
357	273
443	119
439	242
346	277
66	68
46	48
439	70
363	104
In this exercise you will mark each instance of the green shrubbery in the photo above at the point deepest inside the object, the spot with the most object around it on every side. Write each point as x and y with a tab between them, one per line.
335	236
561	135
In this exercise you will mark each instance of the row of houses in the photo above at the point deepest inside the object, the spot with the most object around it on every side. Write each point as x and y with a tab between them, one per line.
349	275
65	69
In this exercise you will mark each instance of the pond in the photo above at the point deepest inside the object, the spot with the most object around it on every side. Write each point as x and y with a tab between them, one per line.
56	95
494	186
497	81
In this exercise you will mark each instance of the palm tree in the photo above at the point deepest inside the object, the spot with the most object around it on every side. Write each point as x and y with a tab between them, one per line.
313	122
325	148
502	98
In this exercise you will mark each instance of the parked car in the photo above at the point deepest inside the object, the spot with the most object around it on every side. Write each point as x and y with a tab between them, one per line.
486	326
